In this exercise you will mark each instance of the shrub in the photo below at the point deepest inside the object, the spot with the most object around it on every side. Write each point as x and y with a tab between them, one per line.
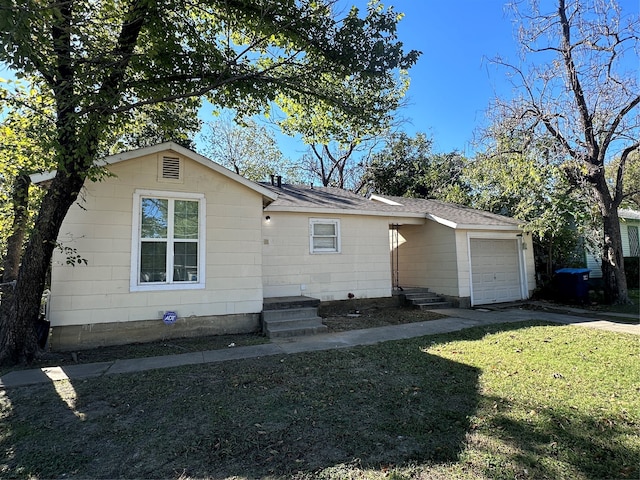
632	271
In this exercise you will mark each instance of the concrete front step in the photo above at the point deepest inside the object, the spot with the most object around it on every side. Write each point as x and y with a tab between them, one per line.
289	314
423	299
433	305
291	317
295	328
283	303
299	322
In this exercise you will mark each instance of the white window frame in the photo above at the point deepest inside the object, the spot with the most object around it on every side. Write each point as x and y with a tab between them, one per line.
324	221
135	284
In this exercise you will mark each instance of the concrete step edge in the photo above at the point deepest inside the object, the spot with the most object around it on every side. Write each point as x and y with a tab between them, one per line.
293	322
296	332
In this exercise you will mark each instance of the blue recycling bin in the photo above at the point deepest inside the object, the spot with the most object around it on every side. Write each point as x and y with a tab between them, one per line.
573	284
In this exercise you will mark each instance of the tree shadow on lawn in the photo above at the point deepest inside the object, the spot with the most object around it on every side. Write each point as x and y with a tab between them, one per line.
382	405
564	443
293	416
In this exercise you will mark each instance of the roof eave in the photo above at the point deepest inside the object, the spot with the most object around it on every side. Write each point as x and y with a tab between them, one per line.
469	226
338	211
161	147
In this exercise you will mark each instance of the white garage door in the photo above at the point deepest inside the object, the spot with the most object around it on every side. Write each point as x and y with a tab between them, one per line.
495	271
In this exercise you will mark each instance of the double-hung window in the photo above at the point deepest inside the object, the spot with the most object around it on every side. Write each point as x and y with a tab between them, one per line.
324	235
168	241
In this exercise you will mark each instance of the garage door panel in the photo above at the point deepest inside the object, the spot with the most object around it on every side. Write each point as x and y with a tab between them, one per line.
495	271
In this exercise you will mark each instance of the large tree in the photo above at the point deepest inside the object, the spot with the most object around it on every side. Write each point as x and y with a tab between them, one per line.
101	59
531	188
407	167
581	90
246	147
340	143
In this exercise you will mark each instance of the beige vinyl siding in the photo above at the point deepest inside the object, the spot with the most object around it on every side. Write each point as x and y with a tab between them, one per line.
435	256
427	258
101	232
361	268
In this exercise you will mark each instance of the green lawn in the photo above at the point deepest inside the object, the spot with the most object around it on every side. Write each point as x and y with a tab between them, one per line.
513	401
632	309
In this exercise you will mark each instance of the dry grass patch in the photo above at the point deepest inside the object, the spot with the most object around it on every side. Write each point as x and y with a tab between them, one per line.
501	402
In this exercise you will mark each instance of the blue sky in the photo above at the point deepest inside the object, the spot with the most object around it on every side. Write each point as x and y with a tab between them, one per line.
454	80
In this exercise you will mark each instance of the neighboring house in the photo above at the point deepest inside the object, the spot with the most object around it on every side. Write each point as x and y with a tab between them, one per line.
172	231
629	228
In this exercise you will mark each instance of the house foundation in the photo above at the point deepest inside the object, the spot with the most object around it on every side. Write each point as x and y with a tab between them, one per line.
83	337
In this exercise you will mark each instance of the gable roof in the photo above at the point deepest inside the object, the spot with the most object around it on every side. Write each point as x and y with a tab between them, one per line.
329	200
267	195
451	214
309	199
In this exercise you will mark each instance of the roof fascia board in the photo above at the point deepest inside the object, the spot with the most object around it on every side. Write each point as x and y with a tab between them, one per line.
336	211
442	221
380	199
161	147
462	226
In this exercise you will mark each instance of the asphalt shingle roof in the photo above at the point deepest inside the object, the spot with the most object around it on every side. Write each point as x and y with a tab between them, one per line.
304	196
307	198
454	213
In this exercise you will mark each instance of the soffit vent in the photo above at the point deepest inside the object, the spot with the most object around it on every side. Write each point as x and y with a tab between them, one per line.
170	168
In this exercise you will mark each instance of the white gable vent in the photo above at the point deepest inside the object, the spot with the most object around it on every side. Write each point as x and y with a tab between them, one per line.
171	169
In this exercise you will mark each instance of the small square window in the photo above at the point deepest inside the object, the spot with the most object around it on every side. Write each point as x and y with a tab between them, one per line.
324	235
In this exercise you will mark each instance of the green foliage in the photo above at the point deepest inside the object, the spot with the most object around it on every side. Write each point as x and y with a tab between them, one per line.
533	189
341	139
26	131
247	148
107	58
103	65
577	87
407	167
152	124
370	94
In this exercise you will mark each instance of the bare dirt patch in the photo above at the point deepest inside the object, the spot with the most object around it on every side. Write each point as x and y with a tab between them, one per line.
339	316
342	316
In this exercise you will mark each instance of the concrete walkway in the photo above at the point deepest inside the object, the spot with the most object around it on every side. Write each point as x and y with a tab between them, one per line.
458	319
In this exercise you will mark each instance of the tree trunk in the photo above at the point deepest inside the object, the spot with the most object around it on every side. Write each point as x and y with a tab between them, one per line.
20	198
613	276
10	331
18	316
615	281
